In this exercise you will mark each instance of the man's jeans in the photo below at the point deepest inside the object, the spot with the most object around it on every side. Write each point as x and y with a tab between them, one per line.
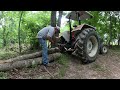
44	51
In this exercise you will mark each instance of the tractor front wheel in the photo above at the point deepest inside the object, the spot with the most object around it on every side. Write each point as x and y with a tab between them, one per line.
103	49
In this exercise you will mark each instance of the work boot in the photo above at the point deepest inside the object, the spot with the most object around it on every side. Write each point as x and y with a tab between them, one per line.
48	65
43	66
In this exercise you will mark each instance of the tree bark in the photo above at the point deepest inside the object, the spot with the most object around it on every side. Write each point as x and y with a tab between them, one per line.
53	18
4	39
19	32
53	23
118	33
27	63
110	30
59	18
118	39
29	56
115	21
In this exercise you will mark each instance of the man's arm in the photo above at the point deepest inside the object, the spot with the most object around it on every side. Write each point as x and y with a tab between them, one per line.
50	35
49	38
57	38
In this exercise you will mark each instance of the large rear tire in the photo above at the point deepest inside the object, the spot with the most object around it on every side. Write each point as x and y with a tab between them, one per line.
87	45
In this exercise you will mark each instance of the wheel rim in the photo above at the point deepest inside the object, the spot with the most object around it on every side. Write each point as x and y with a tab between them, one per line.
92	46
89	45
104	49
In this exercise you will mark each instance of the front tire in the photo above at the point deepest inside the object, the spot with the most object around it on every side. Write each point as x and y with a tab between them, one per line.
87	46
103	49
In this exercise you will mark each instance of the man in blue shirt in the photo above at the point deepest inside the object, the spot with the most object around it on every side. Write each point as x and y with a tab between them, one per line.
46	34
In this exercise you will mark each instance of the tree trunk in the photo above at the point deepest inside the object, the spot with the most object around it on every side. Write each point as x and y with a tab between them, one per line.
119	42
59	18
118	31
53	18
118	39
29	56
110	30
19	32
115	21
27	63
4	39
53	23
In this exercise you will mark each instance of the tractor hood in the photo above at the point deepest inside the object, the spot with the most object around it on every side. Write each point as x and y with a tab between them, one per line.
83	15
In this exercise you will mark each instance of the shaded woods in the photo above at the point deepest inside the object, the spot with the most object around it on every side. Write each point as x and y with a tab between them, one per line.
18	29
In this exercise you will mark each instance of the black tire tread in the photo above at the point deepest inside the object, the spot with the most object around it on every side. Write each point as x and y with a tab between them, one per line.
80	44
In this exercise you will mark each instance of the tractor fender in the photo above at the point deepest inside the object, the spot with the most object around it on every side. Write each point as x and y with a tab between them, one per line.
77	30
82	26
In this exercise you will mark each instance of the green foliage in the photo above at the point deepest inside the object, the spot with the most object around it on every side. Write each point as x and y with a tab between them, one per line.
34	64
31	23
64	61
6	55
3	75
97	67
116	48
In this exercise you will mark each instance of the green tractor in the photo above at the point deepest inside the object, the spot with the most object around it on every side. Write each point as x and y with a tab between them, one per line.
82	41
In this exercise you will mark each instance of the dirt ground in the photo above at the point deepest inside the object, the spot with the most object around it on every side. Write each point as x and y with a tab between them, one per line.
105	67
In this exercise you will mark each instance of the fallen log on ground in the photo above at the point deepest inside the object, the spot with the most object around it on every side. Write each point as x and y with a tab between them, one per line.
29	56
27	63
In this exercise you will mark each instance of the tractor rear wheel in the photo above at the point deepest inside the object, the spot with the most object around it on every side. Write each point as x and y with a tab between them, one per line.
87	45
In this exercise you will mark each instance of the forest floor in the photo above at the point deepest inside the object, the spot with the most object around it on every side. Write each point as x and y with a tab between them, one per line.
68	67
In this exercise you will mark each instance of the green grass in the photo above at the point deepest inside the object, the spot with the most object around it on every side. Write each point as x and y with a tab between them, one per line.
34	64
6	55
3	75
64	61
97	67
116	48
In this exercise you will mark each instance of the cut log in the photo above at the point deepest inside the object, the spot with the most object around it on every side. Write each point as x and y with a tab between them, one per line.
29	56
27	63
